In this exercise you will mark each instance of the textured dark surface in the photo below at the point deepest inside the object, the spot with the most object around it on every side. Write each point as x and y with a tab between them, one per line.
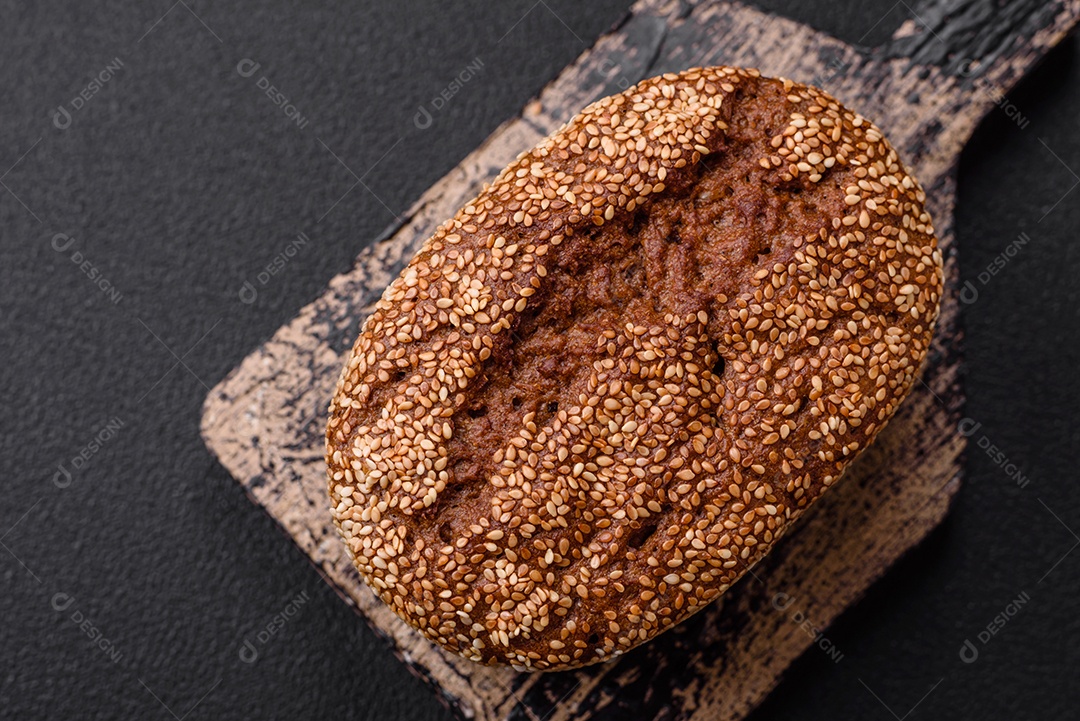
180	180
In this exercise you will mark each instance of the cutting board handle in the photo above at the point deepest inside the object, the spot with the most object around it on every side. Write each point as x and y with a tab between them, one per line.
948	64
968	39
965	56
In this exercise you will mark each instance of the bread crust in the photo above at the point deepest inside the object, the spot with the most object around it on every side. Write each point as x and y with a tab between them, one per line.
604	389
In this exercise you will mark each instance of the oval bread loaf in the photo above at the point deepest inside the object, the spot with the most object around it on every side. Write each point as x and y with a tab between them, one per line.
605	388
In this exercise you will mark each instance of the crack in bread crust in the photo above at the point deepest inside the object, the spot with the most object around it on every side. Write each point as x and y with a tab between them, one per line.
603	390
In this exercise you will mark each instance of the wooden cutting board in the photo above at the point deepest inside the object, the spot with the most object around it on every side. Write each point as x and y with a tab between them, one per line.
949	64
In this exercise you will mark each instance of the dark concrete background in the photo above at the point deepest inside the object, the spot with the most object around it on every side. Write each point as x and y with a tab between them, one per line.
179	180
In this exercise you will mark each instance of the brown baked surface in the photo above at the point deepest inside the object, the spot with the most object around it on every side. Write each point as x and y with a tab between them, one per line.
602	391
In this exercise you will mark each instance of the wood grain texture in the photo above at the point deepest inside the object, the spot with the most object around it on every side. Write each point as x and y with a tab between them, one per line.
927	89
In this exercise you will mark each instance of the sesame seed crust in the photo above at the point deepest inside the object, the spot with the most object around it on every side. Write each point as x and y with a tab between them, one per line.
605	388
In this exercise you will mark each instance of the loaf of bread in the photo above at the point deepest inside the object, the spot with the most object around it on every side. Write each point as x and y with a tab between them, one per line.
606	387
